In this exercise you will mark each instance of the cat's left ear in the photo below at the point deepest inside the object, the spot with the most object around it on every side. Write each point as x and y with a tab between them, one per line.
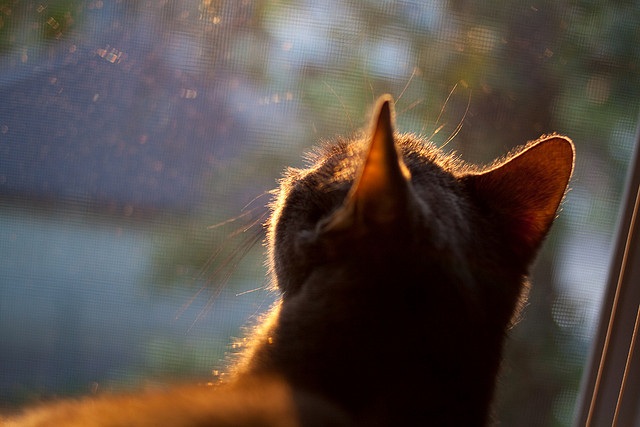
524	192
379	196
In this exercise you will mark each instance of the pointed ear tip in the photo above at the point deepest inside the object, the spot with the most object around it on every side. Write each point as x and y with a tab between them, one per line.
385	98
384	112
559	148
562	145
385	102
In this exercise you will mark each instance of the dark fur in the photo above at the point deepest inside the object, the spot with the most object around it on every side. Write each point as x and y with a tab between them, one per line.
397	289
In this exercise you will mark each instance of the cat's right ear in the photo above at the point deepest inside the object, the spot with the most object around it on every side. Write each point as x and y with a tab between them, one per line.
523	193
379	195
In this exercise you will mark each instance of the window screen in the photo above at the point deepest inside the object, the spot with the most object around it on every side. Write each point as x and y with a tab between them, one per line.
130	132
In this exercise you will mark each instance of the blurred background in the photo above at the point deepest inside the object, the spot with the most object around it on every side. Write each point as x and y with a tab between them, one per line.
130	129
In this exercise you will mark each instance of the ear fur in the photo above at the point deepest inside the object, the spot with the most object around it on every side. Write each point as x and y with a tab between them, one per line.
524	192
379	195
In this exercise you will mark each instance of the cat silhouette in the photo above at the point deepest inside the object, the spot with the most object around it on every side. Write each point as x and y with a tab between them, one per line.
400	269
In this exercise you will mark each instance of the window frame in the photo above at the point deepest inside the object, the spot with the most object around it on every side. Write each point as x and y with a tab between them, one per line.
607	398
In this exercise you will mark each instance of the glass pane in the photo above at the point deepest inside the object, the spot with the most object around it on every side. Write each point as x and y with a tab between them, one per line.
129	129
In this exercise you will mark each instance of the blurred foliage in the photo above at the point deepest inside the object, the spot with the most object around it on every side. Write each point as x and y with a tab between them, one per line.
25	23
314	68
567	66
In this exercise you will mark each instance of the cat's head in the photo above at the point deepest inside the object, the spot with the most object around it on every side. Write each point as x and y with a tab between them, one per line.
389	214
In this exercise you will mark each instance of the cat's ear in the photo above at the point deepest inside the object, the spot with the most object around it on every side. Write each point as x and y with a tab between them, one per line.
523	193
379	194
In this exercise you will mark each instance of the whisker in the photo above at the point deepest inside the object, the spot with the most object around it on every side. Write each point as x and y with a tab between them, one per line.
373	94
444	106
223	282
250	291
270	192
232	261
207	307
366	79
259	310
186	305
343	106
210	261
243	210
460	123
230	220
413	73
435	132
411	106
252	239
200	274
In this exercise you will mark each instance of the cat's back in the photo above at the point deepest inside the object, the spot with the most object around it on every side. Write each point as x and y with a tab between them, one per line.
252	402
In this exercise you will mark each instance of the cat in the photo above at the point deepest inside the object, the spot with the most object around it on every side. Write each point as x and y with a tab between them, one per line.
400	269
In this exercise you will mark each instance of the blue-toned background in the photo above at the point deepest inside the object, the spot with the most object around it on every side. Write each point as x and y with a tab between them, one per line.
128	129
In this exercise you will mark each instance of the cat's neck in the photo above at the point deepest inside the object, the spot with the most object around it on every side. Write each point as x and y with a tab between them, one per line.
378	364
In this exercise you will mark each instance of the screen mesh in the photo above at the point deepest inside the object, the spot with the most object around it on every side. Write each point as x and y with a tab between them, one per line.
128	129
